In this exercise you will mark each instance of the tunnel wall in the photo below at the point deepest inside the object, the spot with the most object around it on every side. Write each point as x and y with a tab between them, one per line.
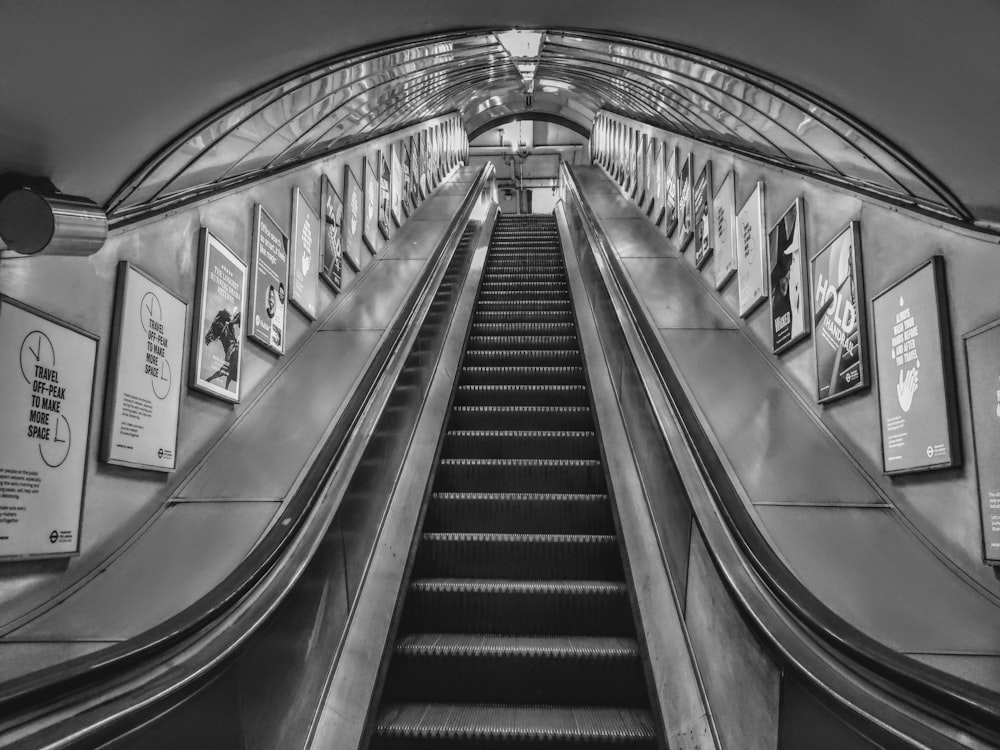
943	504
120	501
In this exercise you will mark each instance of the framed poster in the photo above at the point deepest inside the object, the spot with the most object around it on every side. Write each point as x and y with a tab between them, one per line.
641	195
217	343
404	155
914	371
305	255
789	300
655	182
384	193
701	217
396	185
354	217
369	228
751	257
268	293
332	216
982	358
142	402
670	194
414	171
841	331
684	201
48	370
724	208
424	184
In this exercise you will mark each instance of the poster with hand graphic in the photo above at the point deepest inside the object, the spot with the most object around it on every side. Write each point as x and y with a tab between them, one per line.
840	338
982	358
47	368
143	398
914	372
306	240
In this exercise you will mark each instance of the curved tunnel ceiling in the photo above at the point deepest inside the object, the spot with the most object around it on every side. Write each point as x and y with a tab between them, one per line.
338	103
91	94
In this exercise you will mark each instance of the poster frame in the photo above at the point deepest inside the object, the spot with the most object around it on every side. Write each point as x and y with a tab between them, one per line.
943	320
709	194
370	181
670	185
761	252
864	382
293	258
395	185
983	507
194	367
685	201
384	197
7	300
721	280
258	213
114	366
353	253
326	187
799	205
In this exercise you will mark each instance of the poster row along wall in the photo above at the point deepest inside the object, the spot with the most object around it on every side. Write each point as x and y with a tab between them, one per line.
49	366
820	293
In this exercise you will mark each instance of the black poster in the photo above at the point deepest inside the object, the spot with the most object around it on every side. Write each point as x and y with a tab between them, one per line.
332	217
982	355
840	341
382	164
916	388
701	219
684	190
789	299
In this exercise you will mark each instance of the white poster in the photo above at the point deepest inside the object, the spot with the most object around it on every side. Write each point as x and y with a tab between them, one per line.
306	240
751	258
396	185
144	386
724	207
47	371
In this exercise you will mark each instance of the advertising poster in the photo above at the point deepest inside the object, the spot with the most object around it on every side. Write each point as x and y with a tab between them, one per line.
684	200
384	193
701	219
914	372
404	156
217	343
415	171
751	258
789	300
354	216
332	216
724	208
670	194
424	186
396	185
48	370
305	255
655	182
369	229
268	295
841	331
982	357
143	398
640	190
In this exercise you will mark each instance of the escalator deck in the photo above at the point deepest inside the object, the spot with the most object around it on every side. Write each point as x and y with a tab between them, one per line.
517	628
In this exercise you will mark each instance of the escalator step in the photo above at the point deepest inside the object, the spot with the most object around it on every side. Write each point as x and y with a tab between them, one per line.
520	444
512	607
521	395
519	475
522	342
519	556
523	316
523	417
521	374
523	329
422	726
548	670
521	357
519	512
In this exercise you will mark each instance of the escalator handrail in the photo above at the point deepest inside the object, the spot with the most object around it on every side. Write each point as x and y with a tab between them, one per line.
926	687
24	696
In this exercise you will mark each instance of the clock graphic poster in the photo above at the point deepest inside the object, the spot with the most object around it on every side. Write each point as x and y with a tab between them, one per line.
142	405
47	369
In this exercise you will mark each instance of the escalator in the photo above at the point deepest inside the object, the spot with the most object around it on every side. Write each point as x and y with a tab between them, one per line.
517	626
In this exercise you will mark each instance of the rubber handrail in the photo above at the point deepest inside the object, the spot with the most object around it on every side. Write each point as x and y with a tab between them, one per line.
44	686
957	701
